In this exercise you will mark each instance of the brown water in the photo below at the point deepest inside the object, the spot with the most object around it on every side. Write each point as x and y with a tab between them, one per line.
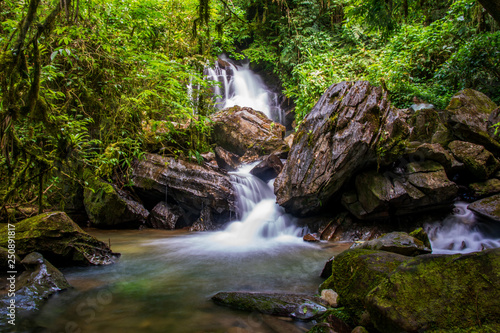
164	281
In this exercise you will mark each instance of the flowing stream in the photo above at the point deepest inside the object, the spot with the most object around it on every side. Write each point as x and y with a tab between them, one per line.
164	280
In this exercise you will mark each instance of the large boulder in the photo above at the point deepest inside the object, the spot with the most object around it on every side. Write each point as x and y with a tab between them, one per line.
419	186
189	186
351	127
487	207
427	126
356	272
439	292
247	132
110	207
272	303
468	114
58	239
226	160
486	188
396	242
479	161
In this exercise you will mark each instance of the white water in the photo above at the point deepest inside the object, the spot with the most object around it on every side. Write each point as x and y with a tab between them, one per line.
239	85
463	232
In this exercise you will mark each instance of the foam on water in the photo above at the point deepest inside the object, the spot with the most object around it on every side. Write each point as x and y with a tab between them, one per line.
463	232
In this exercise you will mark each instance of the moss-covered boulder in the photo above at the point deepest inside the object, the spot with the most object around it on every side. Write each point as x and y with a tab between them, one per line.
468	114
356	272
396	242
422	236
58	239
420	186
479	161
438	292
427	126
109	207
271	303
487	207
486	188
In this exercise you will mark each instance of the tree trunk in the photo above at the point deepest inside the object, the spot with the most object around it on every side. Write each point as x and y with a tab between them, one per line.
492	7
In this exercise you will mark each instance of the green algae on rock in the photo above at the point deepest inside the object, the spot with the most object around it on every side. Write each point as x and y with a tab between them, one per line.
60	240
438	292
487	207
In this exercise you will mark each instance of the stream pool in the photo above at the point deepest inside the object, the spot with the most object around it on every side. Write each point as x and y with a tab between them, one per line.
164	280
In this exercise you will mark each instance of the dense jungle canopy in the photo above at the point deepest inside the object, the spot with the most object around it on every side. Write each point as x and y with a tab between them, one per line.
81	82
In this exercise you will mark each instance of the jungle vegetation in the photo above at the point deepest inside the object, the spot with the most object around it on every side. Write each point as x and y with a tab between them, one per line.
85	84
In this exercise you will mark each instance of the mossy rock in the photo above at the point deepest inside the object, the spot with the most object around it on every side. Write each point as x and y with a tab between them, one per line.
487	207
438	292
58	239
421	235
108	207
397	242
486	188
356	272
268	303
479	161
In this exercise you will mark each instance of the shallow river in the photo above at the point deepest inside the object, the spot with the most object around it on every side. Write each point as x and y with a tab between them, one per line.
164	280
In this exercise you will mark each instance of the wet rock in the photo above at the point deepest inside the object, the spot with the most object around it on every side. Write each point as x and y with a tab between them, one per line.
487	207
268	169
480	162
486	188
226	160
246	132
434	152
396	242
38	282
164	216
356	272
308	311
311	238
330	296
439	292
189	186
420	186
422	236
205	222
351	127
268	303
109	207
468	114
60	240
327	270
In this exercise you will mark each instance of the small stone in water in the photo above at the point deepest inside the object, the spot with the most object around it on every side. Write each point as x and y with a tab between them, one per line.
308	310
311	238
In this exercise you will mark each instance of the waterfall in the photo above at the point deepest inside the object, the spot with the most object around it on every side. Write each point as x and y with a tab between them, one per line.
463	232
239	85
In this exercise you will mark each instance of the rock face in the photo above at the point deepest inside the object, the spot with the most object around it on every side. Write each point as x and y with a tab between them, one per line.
480	162
187	186
419	186
38	282
226	160
274	304
438	292
468	113
487	207
164	217
349	128
396	242
268	169
486	188
247	132
60	240
355	272
109	207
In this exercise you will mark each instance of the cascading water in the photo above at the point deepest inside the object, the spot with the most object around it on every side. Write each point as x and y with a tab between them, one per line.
238	85
463	232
